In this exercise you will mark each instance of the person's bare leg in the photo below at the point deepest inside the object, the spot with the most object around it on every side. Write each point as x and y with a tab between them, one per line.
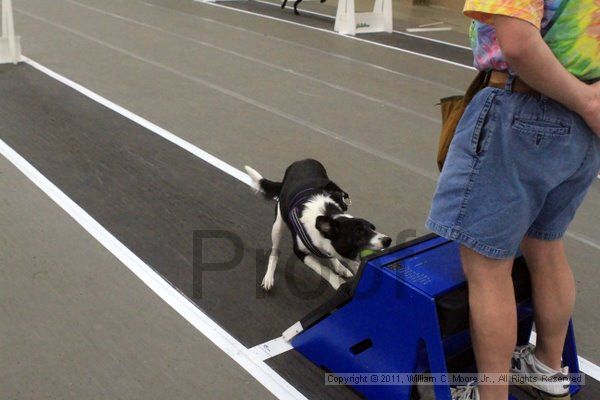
493	316
553	296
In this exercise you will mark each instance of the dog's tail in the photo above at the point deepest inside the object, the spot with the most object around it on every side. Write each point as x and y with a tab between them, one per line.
269	189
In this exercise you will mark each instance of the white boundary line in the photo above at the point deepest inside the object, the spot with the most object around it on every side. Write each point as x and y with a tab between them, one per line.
230	346
184	144
234	349
434	40
586	366
332	17
302	46
583	239
213	4
272	348
440	29
259	61
255	103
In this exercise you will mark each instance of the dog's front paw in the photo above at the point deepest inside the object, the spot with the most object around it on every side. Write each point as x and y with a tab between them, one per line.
343	271
346	273
268	282
336	281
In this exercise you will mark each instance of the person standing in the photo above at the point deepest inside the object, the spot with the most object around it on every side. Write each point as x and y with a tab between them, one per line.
524	154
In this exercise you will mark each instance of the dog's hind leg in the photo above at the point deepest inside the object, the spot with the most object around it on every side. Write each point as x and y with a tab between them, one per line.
296	7
276	233
334	279
283	4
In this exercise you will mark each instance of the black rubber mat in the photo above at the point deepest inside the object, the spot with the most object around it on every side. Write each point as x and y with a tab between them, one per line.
411	43
153	195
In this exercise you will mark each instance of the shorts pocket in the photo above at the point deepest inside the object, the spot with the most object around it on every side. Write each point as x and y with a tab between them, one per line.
542	132
479	138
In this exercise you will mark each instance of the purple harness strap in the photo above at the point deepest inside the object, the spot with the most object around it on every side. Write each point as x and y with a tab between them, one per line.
296	224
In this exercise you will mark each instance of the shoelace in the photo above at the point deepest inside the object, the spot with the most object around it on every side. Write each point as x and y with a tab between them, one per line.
524	353
464	392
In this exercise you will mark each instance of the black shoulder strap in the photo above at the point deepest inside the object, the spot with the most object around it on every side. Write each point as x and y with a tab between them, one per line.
555	17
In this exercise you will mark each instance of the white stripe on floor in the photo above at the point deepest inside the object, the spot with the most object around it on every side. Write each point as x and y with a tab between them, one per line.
414	53
332	17
255	366
270	349
255	103
340	88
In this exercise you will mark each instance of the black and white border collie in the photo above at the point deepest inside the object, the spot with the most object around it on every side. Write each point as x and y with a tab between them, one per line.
314	209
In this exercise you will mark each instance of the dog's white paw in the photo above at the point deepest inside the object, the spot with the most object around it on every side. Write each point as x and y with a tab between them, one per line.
341	270
336	281
268	282
345	272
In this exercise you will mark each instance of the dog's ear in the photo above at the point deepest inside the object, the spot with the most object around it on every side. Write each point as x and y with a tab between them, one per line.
338	195
327	226
346	199
331	187
339	199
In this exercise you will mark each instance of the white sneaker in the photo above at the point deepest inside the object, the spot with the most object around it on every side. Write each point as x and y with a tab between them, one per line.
526	364
468	392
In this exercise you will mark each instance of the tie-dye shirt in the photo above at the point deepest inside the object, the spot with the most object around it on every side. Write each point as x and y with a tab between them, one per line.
574	37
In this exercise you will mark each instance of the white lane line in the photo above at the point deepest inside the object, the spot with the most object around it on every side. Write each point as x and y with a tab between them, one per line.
584	239
202	322
434	40
590	368
585	366
332	17
302	46
414	53
222	165
270	349
209	158
299	45
441	29
259	61
430	174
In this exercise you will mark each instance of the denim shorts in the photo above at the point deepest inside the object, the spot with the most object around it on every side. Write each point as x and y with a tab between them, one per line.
519	165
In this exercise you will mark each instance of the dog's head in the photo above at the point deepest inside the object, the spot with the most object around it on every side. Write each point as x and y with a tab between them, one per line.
350	235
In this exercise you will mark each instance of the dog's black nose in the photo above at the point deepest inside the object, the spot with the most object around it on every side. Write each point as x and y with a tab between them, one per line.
386	241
